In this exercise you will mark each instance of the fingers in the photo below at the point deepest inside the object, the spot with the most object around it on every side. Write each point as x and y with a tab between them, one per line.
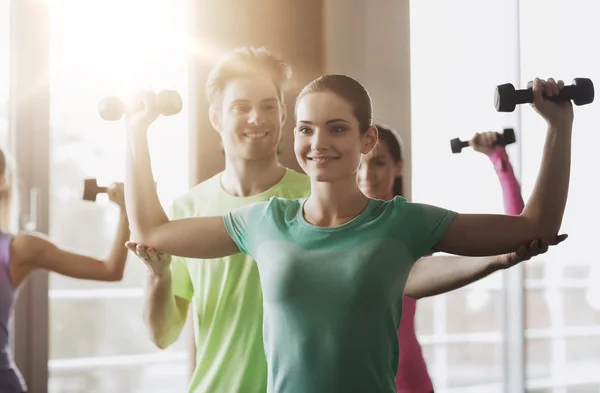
130	245
490	138
559	239
484	141
549	88
156	256
476	140
553	86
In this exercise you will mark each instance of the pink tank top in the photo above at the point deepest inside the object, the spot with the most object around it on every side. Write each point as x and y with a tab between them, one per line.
412	376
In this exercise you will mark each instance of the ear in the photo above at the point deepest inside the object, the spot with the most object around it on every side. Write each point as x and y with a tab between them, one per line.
215	119
400	168
283	109
369	140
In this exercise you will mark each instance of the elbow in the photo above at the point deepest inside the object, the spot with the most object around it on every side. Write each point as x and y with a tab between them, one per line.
116	276
145	236
542	227
161	341
414	294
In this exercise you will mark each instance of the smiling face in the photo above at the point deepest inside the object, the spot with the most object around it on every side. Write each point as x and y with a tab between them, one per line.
327	140
249	118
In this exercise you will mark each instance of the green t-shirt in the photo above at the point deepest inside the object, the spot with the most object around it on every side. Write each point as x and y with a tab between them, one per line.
226	295
333	295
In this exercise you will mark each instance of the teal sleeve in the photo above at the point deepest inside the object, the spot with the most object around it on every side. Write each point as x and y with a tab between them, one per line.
242	225
427	225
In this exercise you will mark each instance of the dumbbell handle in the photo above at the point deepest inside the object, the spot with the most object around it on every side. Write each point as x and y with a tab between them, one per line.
168	102
525	96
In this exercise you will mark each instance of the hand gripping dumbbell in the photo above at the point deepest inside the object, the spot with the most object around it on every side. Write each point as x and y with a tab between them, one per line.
506	138
91	190
168	102
506	98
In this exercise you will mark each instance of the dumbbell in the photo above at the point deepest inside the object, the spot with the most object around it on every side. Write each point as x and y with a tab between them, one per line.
506	138
168	102
91	189
506	98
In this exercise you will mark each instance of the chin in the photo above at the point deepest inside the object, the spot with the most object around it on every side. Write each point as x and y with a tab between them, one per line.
257	154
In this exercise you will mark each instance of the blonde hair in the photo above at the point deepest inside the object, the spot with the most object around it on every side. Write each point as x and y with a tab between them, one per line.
244	62
9	201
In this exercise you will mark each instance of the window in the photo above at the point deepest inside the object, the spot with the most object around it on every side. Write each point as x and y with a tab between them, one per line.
100	48
4	70
562	296
459	53
483	45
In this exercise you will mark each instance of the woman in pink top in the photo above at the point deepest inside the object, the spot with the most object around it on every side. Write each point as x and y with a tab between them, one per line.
380	177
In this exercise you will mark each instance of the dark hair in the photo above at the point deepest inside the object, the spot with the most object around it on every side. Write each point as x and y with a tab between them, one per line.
348	89
243	62
396	148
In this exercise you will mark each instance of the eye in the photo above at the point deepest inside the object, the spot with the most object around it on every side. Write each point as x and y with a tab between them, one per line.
338	129
241	108
269	107
304	130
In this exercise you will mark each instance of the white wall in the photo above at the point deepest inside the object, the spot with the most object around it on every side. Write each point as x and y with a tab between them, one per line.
369	41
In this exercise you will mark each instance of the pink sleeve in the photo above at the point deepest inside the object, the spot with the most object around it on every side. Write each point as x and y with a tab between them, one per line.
513	200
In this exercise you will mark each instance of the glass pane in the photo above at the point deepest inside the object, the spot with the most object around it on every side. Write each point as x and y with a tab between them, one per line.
152	378
474	310
581	307
537	309
539	358
110	328
452	86
473	364
4	70
572	302
581	357
588	388
100	48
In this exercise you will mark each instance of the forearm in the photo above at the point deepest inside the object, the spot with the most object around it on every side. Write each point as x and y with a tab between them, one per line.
511	190
160	310
143	205
115	263
435	275
546	206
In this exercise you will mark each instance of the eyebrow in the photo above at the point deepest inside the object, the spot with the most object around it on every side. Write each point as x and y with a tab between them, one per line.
244	101
327	122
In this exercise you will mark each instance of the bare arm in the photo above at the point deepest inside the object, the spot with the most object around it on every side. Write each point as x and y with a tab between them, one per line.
164	313
36	252
204	237
489	234
435	275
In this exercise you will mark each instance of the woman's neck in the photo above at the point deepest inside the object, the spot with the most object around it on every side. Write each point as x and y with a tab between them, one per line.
335	203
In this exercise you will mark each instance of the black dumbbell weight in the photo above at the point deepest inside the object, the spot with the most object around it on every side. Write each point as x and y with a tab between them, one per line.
506	98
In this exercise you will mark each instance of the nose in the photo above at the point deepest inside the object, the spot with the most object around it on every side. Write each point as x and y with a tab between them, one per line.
254	117
319	140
